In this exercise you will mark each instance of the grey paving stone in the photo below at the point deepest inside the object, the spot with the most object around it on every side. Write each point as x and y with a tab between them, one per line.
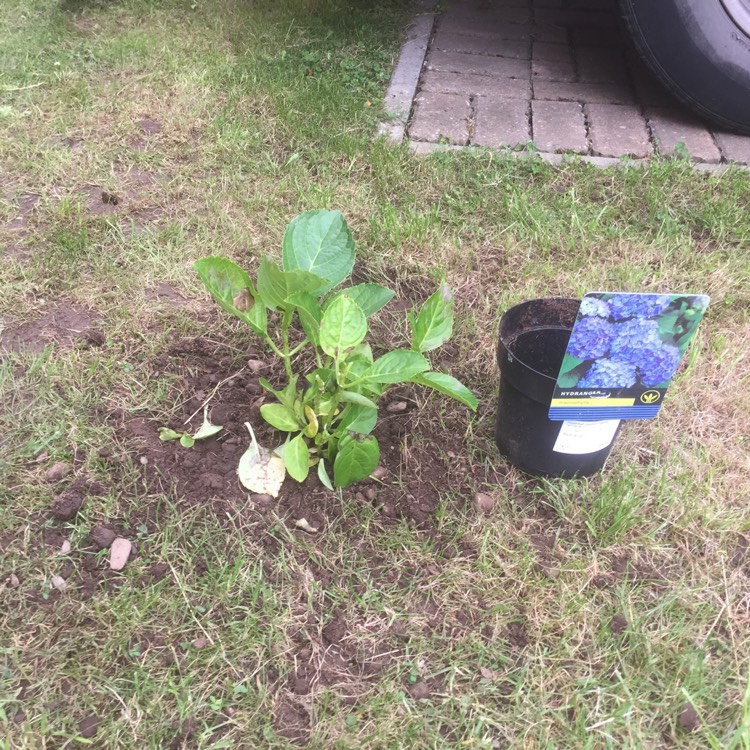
499	122
550	52
606	93
734	147
597	37
574	18
545	32
493	15
559	126
485	27
441	116
599	5
483	5
600	64
465	83
671	126
552	62
618	130
458	62
451	41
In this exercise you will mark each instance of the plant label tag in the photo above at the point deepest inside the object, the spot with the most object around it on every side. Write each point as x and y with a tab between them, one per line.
622	354
579	438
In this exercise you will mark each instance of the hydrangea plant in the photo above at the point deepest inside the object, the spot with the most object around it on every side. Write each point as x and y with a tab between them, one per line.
624	340
329	411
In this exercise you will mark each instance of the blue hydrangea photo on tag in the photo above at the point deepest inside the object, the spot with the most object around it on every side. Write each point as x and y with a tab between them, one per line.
623	351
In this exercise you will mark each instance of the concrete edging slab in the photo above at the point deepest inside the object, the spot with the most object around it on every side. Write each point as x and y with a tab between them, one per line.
423	148
405	79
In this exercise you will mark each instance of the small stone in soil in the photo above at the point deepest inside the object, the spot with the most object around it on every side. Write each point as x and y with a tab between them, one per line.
65	547
397	407
688	718
256	365
119	553
102	537
484	503
419	691
380	473
57	472
142	460
200	643
13	581
370	493
89	726
59	583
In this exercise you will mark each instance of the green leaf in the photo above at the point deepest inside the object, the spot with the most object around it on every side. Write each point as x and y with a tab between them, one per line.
352	397
323	475
207	429
230	286
297	458
396	367
343	326
165	433
187	441
279	416
355	460
448	385
309	313
357	418
370	297
275	286
320	242
287	396
361	351
434	324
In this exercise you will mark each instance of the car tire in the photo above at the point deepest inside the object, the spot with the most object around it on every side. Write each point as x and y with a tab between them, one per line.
700	50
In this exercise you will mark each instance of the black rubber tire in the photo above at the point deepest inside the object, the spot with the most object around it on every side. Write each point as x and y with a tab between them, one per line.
698	52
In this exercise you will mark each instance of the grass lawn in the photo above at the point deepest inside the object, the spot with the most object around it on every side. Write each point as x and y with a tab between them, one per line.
137	136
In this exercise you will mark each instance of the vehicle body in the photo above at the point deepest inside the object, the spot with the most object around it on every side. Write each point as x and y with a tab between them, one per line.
700	50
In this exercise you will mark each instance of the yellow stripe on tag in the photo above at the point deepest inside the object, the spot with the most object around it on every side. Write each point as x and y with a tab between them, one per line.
593	402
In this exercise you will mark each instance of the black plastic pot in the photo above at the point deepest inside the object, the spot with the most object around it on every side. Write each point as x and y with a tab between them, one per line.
533	339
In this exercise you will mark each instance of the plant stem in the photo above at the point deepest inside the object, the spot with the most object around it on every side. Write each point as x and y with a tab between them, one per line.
286	321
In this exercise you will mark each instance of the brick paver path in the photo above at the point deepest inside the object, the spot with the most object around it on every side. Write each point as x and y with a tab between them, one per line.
503	73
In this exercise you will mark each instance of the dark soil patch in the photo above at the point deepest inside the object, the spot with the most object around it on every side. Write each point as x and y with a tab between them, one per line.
292	722
688	718
625	567
98	201
62	325
89	726
618	625
25	205
740	556
416	467
149	126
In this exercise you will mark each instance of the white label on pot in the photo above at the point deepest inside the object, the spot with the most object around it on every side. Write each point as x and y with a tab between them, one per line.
585	437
